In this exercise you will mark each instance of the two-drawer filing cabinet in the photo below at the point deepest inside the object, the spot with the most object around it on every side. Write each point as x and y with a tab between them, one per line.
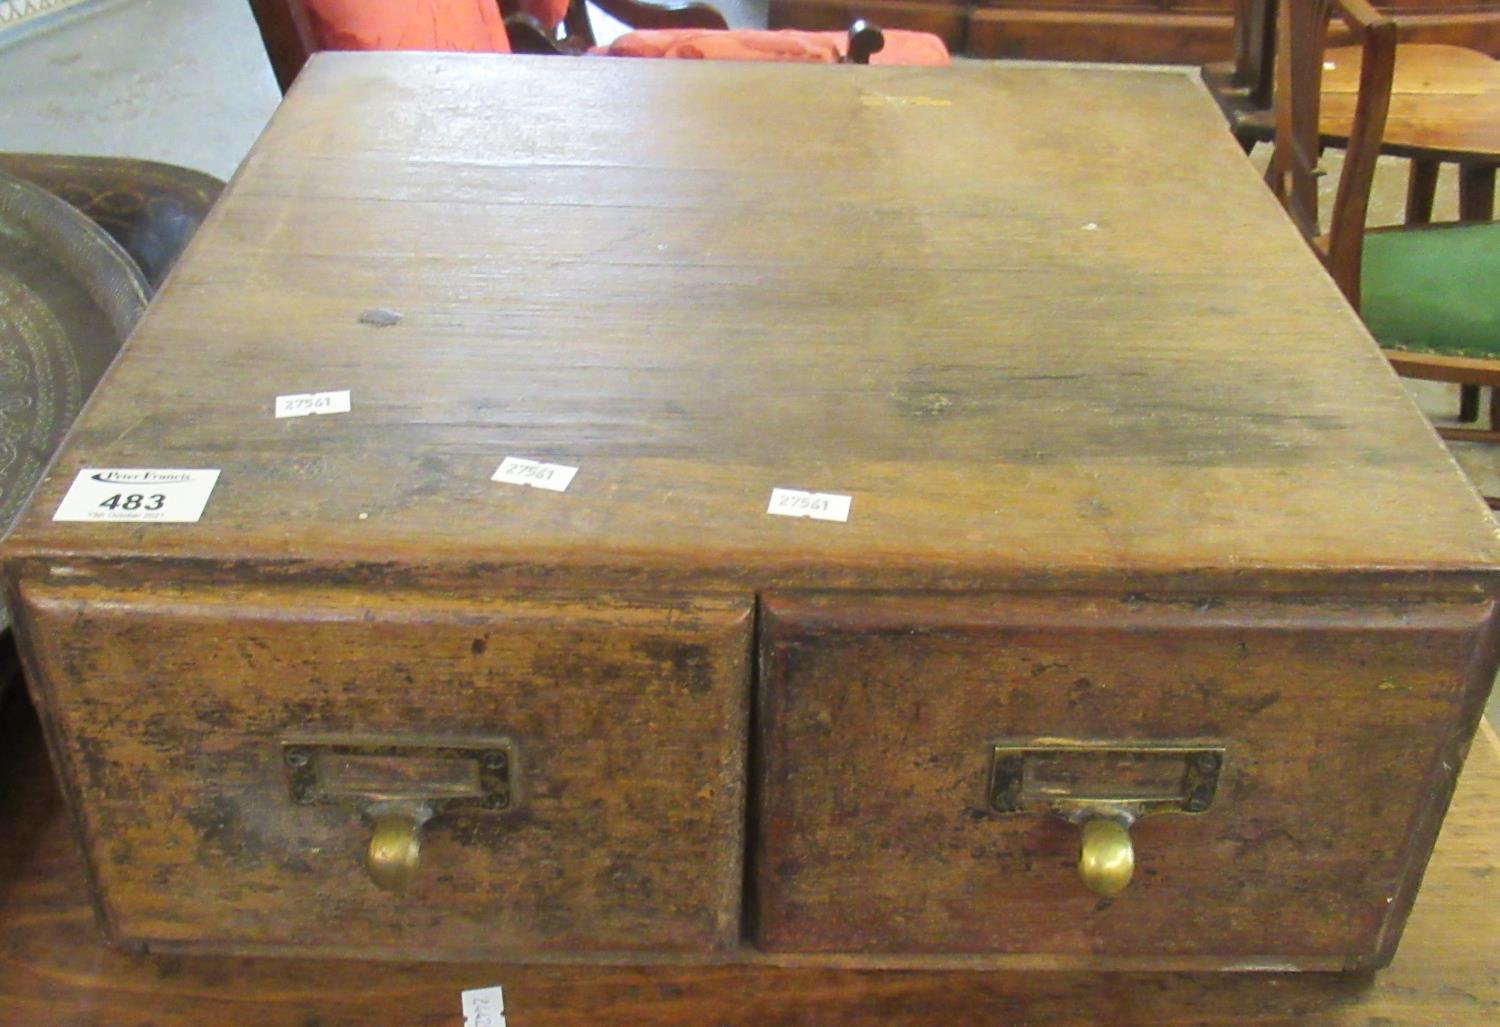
624	510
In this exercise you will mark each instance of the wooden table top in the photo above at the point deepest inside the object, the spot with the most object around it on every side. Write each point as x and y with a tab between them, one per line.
1040	323
54	970
1445	101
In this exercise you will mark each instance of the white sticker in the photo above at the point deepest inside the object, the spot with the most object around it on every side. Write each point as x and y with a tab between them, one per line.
820	506
301	404
484	1007
552	477
137	494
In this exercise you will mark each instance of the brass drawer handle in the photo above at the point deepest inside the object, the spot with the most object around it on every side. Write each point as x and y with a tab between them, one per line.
1106	856
1104	788
400	785
395	850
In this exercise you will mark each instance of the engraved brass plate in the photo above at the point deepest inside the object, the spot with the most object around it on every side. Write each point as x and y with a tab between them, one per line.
1073	778
359	771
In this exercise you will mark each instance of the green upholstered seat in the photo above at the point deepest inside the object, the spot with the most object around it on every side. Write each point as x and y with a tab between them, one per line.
1434	290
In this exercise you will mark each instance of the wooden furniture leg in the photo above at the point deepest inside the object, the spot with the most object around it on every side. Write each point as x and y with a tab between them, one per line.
1476	192
1421	188
1468	403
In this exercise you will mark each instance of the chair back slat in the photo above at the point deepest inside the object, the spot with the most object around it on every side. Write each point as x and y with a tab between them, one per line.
286	29
1255	50
1301	38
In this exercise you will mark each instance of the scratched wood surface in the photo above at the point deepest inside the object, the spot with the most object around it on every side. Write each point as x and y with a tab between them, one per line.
1037	322
627	722
877	718
55	970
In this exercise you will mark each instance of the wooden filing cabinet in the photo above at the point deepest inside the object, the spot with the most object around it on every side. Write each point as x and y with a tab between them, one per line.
1150	631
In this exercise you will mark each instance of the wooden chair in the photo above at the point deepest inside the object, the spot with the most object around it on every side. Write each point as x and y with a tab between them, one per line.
557	27
1242	87
575	31
1425	125
1427	293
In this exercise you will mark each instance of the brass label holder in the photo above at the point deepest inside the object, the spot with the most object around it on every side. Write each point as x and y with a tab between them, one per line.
399	785
1104	788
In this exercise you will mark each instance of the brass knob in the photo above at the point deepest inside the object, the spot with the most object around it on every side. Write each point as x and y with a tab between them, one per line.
396	843
1106	858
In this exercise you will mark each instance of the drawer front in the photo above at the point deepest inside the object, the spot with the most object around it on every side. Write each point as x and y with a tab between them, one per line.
1277	772
567	775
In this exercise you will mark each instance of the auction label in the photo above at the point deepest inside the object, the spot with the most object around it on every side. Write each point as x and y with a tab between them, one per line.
484	1007
303	404
820	506
166	494
552	477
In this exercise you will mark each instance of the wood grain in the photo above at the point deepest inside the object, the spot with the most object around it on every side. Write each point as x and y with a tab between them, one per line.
628	722
1445	102
55	970
877	719
907	292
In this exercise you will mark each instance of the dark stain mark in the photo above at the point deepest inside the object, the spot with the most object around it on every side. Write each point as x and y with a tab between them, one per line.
690	663
1264	702
380	317
1079	690
626	878
214	820
97	766
1204	688
216	716
220	825
1038	669
478	646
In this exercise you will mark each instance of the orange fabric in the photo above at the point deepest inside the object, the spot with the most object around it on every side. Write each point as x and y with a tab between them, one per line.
901	47
905	47
549	13
721	45
473	25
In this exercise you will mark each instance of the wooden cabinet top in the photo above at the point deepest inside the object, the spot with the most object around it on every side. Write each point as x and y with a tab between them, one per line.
1041	324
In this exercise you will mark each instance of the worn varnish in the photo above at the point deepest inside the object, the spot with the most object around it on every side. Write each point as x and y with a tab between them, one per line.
53	971
623	833
1095	403
878	717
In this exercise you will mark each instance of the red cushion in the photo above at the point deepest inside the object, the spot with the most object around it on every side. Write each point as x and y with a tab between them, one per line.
549	13
905	47
901	46
473	25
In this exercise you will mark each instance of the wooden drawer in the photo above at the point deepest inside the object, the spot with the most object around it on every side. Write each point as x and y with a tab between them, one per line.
225	749
1338	728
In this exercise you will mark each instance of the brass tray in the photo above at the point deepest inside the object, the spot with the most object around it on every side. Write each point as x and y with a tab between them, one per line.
69	295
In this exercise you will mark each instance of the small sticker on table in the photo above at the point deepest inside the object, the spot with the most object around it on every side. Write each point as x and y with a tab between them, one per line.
159	494
820	506
304	404
552	477
484	1007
